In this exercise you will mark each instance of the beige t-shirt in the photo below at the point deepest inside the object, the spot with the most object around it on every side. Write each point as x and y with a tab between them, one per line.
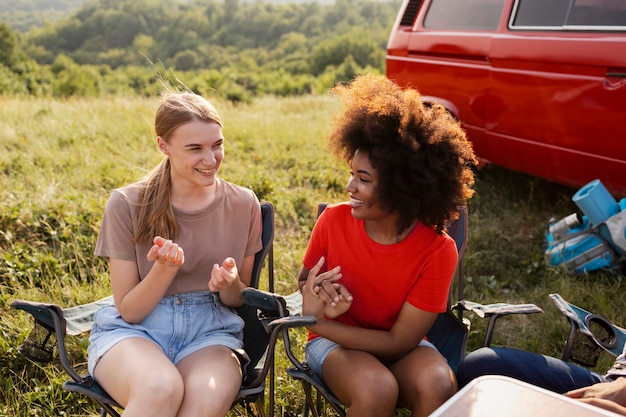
229	226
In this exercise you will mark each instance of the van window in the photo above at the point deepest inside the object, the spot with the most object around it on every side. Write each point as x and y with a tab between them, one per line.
466	14
569	14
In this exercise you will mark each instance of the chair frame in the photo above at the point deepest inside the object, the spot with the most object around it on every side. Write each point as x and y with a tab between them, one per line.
258	311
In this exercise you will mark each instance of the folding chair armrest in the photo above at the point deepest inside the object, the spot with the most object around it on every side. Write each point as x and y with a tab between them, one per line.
274	308
46	314
292	322
270	304
279	323
604	334
495	311
50	317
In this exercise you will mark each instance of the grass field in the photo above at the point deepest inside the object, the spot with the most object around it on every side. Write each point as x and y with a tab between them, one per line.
59	161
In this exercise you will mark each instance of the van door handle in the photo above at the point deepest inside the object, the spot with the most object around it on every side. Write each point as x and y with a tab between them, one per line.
616	74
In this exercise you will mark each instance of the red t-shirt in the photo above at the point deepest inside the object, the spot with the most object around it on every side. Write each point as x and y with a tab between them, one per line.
418	270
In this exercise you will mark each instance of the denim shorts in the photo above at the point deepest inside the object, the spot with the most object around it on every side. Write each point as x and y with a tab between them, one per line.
318	349
180	325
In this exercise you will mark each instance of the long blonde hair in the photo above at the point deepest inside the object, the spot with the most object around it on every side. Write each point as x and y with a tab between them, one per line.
154	211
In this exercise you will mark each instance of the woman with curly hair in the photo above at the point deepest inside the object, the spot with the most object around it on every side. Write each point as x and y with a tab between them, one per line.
378	268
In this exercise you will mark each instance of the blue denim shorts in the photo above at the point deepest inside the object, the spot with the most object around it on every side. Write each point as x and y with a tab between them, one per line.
180	325
318	349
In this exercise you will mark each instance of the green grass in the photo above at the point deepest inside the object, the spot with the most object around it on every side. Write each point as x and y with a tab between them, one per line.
59	160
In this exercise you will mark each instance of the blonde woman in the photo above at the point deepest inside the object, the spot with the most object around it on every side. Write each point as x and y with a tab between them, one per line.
180	245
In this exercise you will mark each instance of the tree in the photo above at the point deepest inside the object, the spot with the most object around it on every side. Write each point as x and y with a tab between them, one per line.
8	45
10	83
186	60
333	52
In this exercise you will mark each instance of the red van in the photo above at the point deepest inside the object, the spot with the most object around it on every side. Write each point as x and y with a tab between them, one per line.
538	85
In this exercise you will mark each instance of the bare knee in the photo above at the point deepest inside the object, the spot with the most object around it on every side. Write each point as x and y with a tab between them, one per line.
434	386
373	394
212	377
443	384
164	392
204	398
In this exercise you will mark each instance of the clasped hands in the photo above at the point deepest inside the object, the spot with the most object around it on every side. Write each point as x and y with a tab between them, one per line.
168	253
323	295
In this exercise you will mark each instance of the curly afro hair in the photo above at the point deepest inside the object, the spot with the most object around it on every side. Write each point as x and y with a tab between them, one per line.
423	158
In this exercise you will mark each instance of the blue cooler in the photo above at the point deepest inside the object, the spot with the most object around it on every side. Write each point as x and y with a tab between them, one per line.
596	202
579	250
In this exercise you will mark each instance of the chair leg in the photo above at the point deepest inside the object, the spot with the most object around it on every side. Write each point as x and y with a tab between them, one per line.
309	405
259	408
108	411
490	328
245	408
569	344
318	403
272	389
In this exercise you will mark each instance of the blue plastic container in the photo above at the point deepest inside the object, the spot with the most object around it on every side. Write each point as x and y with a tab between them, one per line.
596	202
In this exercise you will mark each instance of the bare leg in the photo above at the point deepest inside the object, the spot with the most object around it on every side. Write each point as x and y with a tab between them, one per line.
362	382
425	380
212	378
137	374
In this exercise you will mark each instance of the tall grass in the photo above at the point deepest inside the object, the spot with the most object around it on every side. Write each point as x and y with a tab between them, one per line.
59	161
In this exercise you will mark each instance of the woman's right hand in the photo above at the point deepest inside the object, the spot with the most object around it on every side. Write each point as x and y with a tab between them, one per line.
342	303
166	252
322	295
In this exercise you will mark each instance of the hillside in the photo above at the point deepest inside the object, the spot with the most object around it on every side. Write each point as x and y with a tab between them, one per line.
240	49
24	15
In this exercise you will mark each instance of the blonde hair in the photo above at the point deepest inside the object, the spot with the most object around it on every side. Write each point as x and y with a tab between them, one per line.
154	211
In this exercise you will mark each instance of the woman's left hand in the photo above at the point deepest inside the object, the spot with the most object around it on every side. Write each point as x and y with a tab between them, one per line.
223	276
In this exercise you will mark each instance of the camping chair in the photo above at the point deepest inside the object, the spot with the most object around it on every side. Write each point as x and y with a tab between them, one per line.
448	333
589	335
51	320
